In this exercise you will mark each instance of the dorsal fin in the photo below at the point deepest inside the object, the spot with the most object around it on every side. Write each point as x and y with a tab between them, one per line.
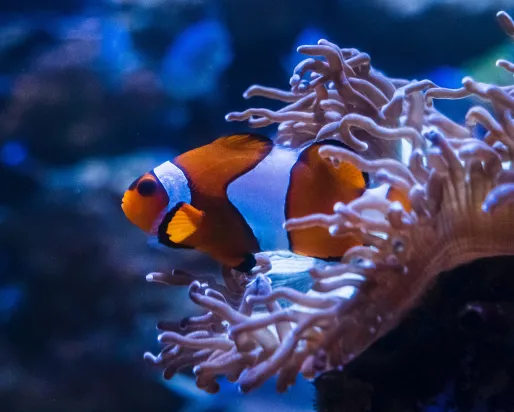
395	195
347	172
211	168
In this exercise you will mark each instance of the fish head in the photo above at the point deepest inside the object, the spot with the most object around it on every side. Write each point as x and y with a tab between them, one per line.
145	202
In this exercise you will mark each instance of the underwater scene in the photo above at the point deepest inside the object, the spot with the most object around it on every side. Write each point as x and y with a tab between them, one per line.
241	205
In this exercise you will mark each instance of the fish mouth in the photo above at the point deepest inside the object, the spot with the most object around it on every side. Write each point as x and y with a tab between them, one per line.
134	213
125	205
128	209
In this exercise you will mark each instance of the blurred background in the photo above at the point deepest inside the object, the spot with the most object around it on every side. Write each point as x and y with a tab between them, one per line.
94	93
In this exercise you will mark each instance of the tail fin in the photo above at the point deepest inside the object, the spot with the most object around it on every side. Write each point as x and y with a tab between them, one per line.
315	186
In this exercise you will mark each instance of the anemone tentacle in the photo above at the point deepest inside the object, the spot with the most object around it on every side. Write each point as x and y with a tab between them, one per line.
454	203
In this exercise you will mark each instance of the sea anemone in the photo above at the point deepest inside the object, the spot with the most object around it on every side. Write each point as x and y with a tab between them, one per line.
453	206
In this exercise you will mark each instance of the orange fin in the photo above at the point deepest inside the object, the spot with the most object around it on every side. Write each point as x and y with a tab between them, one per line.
350	176
186	227
315	186
180	224
211	168
394	195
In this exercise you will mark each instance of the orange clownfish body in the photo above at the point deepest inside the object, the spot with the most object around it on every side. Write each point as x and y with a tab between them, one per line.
231	197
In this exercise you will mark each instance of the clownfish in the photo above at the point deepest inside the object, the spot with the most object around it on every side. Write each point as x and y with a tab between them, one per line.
231	197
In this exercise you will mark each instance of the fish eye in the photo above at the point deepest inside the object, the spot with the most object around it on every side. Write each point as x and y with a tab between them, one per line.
146	187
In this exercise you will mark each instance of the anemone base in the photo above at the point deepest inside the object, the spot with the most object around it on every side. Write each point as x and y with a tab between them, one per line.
454	352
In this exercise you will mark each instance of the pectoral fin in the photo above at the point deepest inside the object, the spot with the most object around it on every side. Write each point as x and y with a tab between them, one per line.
180	224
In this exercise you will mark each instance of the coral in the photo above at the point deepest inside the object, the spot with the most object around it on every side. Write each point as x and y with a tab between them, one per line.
452	206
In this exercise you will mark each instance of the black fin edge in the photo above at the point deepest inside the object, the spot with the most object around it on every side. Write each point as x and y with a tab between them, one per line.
247	264
162	236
